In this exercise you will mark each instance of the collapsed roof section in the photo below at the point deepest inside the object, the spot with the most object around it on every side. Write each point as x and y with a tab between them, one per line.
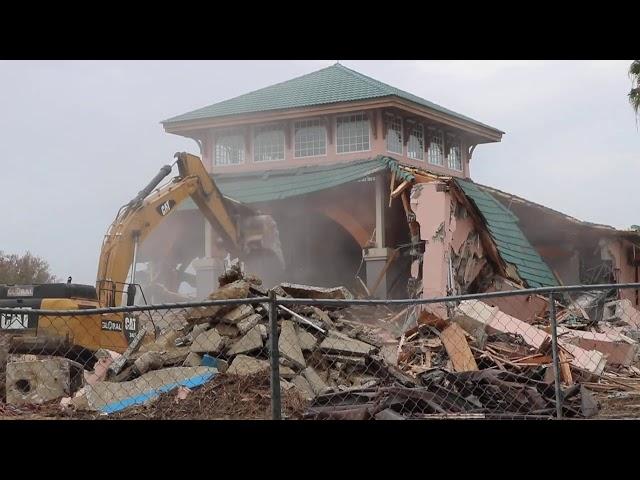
519	259
511	243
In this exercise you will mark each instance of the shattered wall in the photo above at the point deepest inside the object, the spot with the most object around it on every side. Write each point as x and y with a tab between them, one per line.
453	253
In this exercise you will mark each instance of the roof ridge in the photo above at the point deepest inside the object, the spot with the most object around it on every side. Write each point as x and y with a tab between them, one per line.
370	80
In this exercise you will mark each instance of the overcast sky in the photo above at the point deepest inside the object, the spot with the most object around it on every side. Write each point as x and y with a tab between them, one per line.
81	138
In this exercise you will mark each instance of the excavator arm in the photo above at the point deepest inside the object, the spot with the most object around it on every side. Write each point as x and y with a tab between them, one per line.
149	208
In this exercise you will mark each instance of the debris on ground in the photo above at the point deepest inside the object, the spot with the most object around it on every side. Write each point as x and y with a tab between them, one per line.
357	362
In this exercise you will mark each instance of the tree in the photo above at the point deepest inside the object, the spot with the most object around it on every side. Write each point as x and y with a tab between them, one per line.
24	270
634	94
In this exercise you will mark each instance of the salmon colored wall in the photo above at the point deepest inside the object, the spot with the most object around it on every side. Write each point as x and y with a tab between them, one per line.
624	272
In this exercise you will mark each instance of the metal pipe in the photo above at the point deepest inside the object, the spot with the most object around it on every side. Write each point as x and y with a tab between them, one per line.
274	354
135	258
305	320
554	349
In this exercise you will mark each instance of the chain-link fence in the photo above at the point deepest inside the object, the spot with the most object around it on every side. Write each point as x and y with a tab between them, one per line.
298	352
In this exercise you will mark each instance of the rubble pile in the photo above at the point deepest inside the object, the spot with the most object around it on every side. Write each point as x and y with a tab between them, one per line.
358	362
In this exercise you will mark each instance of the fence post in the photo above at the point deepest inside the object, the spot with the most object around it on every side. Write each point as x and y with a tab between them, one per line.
274	356
554	347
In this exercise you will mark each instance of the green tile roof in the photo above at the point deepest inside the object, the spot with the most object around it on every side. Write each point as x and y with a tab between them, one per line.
333	84
264	186
512	245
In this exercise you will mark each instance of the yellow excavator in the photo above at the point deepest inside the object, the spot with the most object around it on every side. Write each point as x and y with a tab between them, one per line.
243	232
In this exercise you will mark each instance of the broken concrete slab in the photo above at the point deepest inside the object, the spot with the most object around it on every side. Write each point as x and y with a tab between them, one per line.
237	289
474	314
289	346
227	330
240	312
308	291
109	397
263	331
306	340
619	349
337	343
318	385
621	311
149	361
287	372
245	365
192	360
208	342
250	342
303	387
40	381
248	323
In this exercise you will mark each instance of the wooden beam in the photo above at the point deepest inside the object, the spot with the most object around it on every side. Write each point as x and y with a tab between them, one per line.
392	186
400	188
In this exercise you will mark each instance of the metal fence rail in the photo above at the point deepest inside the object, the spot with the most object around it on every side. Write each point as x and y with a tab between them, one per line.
561	352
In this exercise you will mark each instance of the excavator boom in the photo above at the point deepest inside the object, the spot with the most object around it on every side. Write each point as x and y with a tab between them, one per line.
151	206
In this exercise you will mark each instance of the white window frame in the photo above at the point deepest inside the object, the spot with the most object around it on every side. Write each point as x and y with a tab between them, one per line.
432	133
229	133
390	120
420	127
256	130
323	124
357	114
455	142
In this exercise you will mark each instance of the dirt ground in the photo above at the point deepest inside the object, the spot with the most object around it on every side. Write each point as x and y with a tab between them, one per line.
229	397
226	397
619	405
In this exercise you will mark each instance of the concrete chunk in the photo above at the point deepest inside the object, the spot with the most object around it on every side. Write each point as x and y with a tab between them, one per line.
237	289
192	360
39	381
303	387
227	330
149	361
307	341
315	381
289	346
248	323
349	346
251	341
245	365
474	314
237	314
207	342
308	291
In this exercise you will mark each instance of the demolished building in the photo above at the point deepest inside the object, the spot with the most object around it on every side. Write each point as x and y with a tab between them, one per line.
370	187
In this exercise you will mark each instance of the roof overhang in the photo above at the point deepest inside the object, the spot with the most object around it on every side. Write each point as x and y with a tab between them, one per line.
478	133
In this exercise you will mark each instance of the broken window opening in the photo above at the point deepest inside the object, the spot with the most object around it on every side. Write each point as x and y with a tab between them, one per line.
436	148
394	135
415	145
454	158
